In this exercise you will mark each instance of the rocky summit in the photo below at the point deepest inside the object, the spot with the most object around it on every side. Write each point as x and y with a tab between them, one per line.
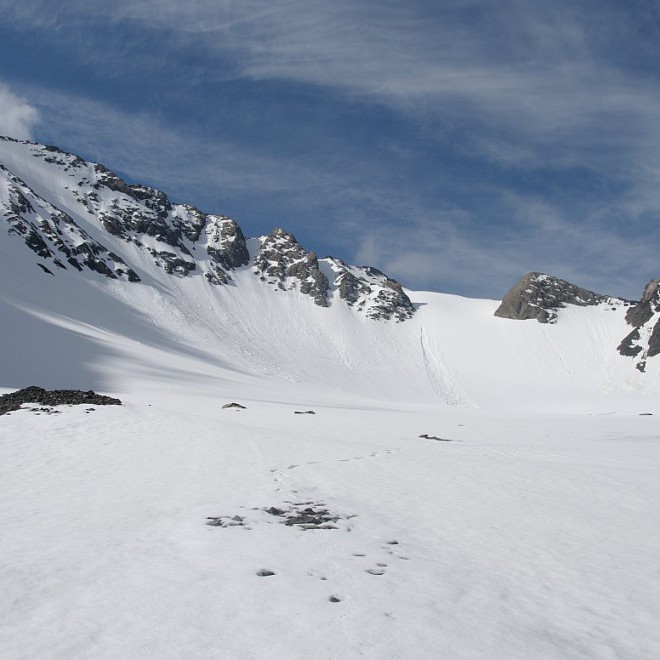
94	221
539	296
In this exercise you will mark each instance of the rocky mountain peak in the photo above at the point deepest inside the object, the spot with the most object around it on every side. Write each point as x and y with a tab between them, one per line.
540	296
282	262
368	289
226	247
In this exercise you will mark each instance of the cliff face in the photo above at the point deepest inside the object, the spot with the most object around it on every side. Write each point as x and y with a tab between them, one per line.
644	340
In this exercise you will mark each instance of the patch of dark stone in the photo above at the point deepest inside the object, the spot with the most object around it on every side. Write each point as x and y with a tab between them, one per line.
645	414
226	521
265	572
308	518
426	436
237	406
334	599
49	398
45	410
304	412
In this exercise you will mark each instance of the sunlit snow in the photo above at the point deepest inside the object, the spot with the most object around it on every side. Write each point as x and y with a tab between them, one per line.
532	533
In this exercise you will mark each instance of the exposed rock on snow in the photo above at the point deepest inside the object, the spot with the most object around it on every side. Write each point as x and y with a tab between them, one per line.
33	394
644	340
226	521
54	235
310	518
426	436
304	515
282	262
225	245
539	296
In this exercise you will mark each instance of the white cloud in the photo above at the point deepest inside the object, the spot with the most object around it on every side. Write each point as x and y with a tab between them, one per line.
17	116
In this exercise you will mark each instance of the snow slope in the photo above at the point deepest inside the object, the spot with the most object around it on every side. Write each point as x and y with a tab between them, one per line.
532	534
453	351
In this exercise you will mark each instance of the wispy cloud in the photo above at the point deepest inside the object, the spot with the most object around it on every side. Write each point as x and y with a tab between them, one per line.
518	89
187	166
17	116
538	75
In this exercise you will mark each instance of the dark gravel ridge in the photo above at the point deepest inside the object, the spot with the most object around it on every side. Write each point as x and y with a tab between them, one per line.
33	394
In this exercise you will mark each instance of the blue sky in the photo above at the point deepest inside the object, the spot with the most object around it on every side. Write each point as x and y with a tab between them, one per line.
454	144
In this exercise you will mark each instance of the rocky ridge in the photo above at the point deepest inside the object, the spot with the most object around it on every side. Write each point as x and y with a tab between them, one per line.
96	221
282	263
644	340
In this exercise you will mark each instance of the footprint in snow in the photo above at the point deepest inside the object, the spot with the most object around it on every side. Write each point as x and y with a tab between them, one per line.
376	571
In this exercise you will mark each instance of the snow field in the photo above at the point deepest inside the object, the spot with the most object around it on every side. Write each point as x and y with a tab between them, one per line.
510	544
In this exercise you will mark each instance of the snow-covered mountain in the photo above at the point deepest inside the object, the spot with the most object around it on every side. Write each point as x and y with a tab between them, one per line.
76	214
101	263
406	475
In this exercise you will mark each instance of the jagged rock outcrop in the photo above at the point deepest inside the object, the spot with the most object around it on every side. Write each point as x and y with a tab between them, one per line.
282	262
80	215
644	340
539	296
226	247
371	291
